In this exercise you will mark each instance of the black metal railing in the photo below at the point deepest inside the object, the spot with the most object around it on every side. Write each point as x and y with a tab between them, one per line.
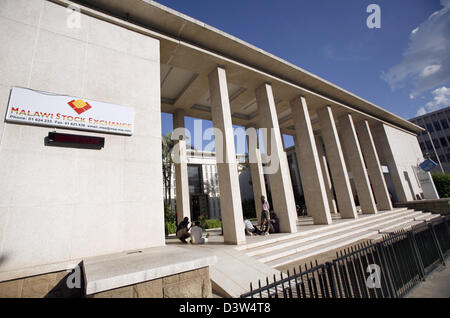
387	269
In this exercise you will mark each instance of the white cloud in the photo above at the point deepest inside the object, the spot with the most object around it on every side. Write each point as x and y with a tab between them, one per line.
430	70
421	111
426	61
441	98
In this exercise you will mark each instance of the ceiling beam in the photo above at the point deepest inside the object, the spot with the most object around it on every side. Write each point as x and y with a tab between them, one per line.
196	88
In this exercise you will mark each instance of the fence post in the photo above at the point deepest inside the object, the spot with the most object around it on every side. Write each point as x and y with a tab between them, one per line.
436	243
331	278
417	255
381	253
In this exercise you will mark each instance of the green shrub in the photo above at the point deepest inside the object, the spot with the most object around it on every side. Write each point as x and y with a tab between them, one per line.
206	223
442	183
170	227
169	215
212	224
170	220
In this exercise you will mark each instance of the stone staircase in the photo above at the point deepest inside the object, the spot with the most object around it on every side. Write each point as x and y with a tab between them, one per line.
282	250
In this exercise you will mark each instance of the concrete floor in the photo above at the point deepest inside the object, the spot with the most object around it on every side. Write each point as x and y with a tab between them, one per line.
437	285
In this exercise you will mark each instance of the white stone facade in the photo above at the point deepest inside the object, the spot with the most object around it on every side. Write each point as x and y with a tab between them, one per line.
58	205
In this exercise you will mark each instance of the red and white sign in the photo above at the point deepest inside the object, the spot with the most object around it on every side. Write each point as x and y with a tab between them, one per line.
31	107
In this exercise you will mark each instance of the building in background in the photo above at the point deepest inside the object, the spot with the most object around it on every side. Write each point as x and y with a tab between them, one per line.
204	183
437	133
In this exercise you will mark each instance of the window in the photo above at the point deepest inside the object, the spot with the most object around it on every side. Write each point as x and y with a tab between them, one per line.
443	141
444	123
195	179
429	146
437	126
422	146
436	143
430	128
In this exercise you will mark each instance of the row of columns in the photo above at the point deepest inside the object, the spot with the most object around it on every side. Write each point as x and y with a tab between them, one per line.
322	165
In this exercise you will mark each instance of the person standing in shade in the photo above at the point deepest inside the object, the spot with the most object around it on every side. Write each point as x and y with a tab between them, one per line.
265	216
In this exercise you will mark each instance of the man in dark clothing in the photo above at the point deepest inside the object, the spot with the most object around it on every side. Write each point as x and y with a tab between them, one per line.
183	230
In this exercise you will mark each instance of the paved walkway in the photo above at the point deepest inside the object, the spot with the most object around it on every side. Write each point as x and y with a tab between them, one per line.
437	285
233	272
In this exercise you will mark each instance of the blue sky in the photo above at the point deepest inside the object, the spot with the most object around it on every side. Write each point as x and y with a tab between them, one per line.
403	67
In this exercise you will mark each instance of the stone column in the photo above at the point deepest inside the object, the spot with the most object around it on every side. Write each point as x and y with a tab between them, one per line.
339	174
280	182
373	166
309	164
297	175
357	166
326	175
230	195
181	173
282	142
256	170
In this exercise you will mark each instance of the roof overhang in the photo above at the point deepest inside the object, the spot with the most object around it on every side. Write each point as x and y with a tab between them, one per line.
176	29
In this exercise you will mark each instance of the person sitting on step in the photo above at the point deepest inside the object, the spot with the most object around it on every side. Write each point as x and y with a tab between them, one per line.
197	234
250	229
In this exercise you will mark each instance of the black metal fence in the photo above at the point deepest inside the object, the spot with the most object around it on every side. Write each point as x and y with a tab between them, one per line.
389	268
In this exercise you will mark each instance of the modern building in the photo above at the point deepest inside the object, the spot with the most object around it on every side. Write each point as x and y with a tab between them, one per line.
435	139
82	88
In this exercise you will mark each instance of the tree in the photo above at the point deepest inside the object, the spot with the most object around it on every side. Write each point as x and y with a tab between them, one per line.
167	146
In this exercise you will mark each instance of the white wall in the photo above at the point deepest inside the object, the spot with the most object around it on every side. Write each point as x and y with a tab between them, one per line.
400	151
407	153
58	204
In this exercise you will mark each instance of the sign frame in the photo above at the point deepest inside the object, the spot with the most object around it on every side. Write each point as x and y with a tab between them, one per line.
38	108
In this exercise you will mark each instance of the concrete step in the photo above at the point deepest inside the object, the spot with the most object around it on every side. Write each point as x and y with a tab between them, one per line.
427	216
270	247
405	227
397	223
308	243
372	233
424	217
233	272
315	229
321	248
